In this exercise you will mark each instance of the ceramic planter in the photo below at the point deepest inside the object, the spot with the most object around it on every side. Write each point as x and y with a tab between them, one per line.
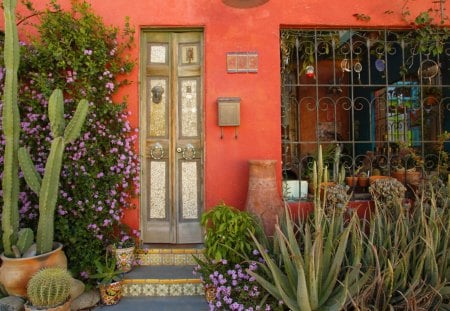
16	272
124	258
110	293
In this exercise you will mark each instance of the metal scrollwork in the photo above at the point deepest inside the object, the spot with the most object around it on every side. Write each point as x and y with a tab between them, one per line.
157	152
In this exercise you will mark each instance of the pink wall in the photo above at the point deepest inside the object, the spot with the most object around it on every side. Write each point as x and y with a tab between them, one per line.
230	29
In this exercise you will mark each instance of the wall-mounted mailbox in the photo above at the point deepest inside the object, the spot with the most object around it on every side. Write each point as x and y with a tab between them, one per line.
229	112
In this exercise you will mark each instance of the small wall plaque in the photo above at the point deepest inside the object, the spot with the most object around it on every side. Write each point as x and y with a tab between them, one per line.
242	62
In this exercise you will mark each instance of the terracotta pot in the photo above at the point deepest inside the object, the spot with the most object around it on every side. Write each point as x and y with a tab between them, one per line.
263	197
110	293
124	258
16	272
352	181
63	307
210	293
408	177
363	182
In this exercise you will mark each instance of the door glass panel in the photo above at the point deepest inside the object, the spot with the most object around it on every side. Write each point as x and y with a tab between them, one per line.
158	53
189	111
189	54
157	104
158	189
189	192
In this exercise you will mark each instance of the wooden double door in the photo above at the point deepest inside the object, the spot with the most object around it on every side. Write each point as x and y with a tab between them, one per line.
172	136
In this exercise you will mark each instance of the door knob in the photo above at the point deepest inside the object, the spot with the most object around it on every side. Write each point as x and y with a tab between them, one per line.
179	149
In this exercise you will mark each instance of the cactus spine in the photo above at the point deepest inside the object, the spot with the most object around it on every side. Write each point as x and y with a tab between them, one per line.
49	287
11	129
47	189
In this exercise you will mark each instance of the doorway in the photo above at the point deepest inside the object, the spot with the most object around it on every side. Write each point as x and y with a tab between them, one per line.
171	136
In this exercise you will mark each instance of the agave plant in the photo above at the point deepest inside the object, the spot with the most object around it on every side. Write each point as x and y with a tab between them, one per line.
317	264
408	250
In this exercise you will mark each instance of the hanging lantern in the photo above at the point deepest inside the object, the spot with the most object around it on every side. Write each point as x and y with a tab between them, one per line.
309	71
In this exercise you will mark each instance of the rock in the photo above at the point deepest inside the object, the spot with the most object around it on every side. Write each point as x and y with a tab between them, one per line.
76	288
12	303
86	300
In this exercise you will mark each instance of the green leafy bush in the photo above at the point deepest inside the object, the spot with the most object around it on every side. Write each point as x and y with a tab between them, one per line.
77	53
228	233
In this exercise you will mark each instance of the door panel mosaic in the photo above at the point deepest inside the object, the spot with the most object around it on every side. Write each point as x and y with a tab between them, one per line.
189	111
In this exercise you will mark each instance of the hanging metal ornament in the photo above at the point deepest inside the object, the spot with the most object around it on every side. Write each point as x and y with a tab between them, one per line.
358	68
380	65
309	71
428	69
345	65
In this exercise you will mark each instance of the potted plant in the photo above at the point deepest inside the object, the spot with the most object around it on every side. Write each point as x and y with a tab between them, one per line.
15	272
124	246
405	170
49	289
110	280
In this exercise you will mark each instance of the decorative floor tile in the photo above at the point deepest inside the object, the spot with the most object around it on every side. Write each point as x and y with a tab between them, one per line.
162	290
176	290
134	290
148	290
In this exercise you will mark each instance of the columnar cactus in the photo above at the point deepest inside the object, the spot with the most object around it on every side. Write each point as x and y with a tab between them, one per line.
11	130
49	287
47	188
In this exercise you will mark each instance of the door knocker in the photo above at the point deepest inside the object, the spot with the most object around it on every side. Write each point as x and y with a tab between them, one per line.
157	92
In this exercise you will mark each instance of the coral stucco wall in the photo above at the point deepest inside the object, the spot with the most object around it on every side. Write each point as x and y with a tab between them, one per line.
228	28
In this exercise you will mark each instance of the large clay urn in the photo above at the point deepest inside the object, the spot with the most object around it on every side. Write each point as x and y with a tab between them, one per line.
263	197
16	272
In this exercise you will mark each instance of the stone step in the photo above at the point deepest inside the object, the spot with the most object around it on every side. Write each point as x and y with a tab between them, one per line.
169	255
162	280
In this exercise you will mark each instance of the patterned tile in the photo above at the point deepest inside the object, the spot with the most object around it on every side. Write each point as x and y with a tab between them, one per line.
162	290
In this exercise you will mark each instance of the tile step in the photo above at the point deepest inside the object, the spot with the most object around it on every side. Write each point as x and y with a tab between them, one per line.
168	256
162	281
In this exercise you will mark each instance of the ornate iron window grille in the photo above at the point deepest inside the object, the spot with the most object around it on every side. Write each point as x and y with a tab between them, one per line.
374	93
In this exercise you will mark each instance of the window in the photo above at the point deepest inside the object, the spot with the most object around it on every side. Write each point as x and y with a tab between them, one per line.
373	93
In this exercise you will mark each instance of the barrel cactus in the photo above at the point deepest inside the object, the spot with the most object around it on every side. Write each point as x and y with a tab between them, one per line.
49	287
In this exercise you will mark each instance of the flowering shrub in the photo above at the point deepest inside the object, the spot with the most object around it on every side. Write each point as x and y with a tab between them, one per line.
235	289
125	237
79	54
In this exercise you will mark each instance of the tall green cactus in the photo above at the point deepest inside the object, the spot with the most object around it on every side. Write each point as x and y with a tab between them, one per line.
11	130
47	189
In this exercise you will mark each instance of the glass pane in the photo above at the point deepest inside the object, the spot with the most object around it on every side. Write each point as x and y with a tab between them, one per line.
189	112
189	190
157	190
157	104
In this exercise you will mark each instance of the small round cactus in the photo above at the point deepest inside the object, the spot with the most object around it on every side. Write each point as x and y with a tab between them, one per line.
49	287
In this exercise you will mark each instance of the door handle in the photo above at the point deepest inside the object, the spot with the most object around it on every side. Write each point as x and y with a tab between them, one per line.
188	152
157	151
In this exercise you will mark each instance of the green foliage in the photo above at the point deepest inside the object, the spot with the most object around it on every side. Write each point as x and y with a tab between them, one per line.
397	259
49	287
76	52
106	270
316	265
228	233
429	37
